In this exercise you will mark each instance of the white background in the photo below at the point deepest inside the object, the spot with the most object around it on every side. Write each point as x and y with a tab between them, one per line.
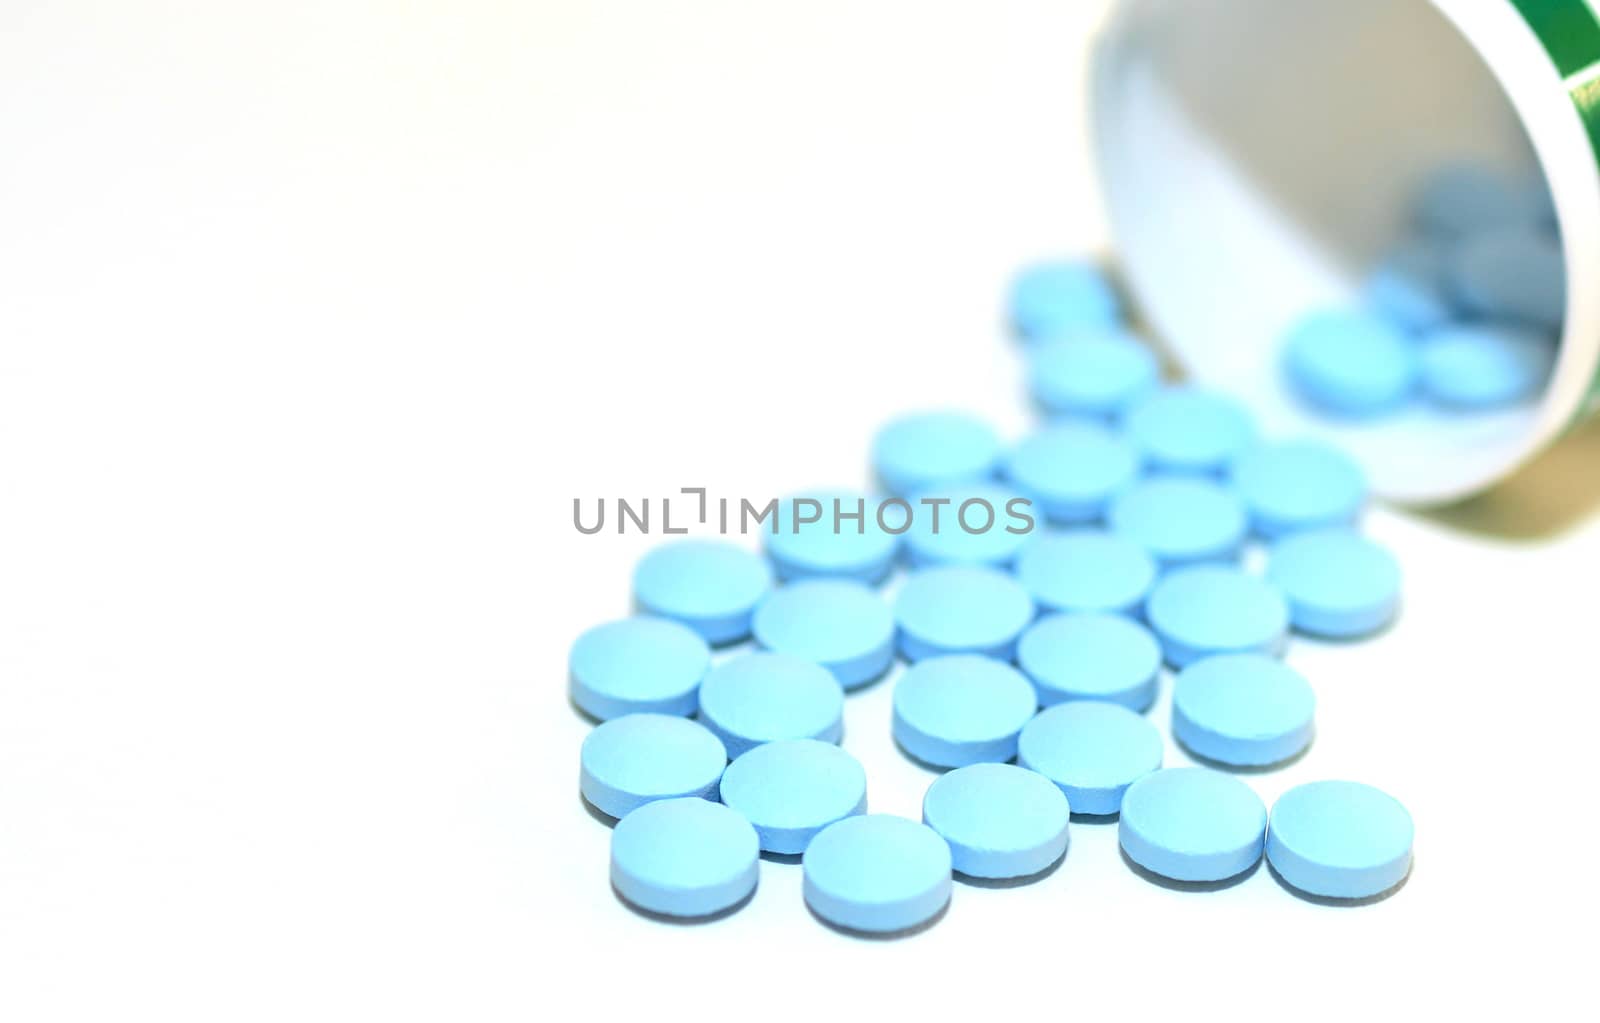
315	317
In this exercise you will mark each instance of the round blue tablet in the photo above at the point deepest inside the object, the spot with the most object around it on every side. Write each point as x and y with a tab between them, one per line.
1350	364
961	709
1516	274
1048	298
1211	609
1071	470
1086	570
711	586
1192	824
977	524
832	534
792	789
840	625
1180	520
1340	839
1460	199
759	697
1486	365
638	758
876	873
1408	286
637	665
684	857
1092	372
1189	430
1299	485
1092	751
1096	656
1244	710
1001	821
932	450
1338	583
961	610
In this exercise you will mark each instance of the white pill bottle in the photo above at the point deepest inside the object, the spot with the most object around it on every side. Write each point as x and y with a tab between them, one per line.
1257	155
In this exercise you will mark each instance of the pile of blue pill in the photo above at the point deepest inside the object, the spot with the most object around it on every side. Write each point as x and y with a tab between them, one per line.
1463	315
1032	653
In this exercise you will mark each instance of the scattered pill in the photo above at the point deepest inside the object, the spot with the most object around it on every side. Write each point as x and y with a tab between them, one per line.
833	534
1097	656
1299	485
934	450
712	586
1189	430
1338	583
961	610
1072	470
639	758
793	788
978	524
1460	199
758	697
1180	520
1093	372
840	625
1485	365
1516	274
1350	364
1243	710
1340	839
1092	751
1408	286
877	873
1048	298
637	665
684	857
1086	570
1192	824
961	709
1212	609
1001	821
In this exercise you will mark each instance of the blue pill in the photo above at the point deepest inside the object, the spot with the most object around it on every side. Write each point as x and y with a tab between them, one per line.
961	709
1338	583
711	586
1409	286
637	665
1350	364
792	789
1092	751
1096	656
639	758
843	626
1244	710
978	524
1093	372
759	697
934	450
1086	570
1461	199
1049	298
833	534
1212	609
684	857
1072	470
1001	821
876	873
1486	365
961	610
1189	430
1180	520
1517	274
1192	824
1340	839
1299	485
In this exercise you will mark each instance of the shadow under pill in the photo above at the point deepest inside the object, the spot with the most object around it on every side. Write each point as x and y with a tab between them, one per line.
1333	903
905	932
684	921
597	813
1218	765
778	857
1189	886
999	883
1095	818
588	718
